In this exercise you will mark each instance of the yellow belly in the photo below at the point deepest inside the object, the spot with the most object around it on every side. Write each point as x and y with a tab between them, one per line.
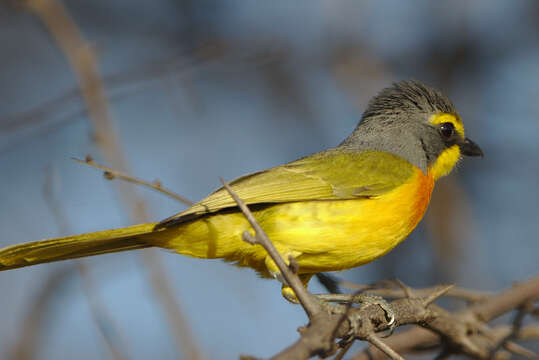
326	235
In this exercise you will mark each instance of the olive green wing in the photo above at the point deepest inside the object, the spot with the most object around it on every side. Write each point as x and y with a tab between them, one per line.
333	174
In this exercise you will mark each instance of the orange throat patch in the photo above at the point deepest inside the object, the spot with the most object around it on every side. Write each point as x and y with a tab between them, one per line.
425	185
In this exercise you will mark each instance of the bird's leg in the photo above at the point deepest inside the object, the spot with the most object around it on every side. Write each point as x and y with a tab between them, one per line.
287	292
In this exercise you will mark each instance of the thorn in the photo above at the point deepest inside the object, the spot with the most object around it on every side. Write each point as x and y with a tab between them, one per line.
408	292
157	183
436	294
88	158
520	350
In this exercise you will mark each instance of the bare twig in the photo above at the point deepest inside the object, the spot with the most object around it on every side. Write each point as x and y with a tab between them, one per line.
375	340
465	330
520	350
457	292
343	351
111	174
405	342
529	332
307	300
509	299
437	294
506	341
158	273
345	298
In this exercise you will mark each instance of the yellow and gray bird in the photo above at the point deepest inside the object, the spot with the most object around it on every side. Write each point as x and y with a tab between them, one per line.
333	210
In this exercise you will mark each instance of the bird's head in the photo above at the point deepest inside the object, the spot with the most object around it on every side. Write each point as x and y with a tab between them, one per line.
418	123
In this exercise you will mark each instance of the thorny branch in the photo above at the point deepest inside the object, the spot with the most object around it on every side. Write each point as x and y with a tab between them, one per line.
390	291
466	331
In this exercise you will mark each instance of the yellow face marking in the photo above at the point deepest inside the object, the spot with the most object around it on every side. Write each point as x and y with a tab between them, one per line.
445	162
445	117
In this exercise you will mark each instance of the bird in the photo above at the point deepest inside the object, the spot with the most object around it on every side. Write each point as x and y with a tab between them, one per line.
333	210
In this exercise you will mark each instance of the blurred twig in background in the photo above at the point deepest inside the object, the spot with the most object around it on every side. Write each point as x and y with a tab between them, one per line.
40	114
26	347
111	174
108	329
83	60
450	223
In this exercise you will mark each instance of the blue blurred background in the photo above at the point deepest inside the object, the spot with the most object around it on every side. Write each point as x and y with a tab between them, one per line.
201	89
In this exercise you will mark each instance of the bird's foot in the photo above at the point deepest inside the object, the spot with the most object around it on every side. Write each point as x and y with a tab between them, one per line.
365	299
289	294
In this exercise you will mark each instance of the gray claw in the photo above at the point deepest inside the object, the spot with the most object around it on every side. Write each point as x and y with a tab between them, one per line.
391	321
369	299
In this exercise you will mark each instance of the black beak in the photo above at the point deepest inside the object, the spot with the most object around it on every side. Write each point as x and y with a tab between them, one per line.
469	148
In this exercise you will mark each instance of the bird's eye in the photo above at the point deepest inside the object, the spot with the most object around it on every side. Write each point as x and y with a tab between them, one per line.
447	129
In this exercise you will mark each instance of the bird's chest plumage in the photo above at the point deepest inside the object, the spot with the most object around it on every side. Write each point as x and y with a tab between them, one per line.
336	235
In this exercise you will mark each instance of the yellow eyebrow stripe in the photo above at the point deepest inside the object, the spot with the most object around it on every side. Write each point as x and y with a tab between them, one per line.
445	117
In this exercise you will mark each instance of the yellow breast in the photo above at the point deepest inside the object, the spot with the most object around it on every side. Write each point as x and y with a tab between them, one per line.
337	235
323	235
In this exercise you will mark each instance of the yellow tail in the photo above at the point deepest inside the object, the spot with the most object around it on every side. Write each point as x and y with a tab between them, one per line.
71	247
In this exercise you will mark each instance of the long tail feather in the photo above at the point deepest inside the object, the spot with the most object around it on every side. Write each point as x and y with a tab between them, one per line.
71	247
